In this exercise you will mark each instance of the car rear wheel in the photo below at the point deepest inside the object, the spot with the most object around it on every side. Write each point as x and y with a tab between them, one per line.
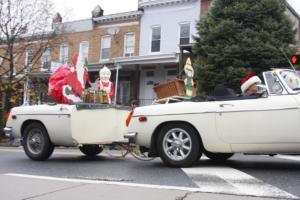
36	142
91	149
218	156
178	145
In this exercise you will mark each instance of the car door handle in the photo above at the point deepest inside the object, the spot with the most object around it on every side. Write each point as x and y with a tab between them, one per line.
226	105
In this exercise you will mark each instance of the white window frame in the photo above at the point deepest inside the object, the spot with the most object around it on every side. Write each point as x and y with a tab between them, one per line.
46	57
151	38
64	56
126	45
179	32
101	53
82	51
28	62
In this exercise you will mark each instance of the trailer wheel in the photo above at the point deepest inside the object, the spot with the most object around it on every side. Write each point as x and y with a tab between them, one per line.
91	149
36	142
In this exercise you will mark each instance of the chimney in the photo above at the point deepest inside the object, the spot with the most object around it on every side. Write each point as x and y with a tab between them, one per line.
205	5
97	12
57	19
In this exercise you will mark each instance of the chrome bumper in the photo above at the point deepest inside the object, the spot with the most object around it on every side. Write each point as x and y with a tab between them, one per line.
131	136
7	131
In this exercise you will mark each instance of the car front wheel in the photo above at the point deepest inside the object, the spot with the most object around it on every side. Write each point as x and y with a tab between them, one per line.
36	142
178	145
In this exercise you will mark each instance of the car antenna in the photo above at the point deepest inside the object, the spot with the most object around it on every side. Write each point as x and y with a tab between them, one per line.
293	67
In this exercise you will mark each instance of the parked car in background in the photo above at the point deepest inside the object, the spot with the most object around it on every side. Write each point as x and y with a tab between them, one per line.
222	125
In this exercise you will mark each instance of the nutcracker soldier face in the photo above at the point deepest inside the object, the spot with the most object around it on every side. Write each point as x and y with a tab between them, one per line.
104	74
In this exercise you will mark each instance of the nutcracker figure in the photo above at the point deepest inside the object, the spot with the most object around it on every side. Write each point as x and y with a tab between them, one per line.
189	81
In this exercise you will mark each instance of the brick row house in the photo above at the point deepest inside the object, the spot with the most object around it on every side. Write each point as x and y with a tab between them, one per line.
142	48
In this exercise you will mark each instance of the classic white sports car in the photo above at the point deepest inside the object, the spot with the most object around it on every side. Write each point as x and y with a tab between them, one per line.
223	124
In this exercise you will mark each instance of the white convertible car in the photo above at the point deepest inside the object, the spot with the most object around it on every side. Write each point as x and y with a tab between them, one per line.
223	124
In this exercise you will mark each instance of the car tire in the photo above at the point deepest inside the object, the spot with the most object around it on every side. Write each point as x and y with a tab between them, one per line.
218	157
91	149
36	142
178	145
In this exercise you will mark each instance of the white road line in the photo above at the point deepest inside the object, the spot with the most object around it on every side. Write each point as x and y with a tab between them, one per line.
103	182
231	181
58	152
20	150
296	158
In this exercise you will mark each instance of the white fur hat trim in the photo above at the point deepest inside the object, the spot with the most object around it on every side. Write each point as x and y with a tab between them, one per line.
249	82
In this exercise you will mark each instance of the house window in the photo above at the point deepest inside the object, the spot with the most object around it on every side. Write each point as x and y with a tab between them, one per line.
184	34
1	61
46	57
28	58
84	50
105	47
155	43
63	56
129	44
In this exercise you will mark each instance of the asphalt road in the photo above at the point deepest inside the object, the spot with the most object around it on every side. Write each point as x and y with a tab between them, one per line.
67	169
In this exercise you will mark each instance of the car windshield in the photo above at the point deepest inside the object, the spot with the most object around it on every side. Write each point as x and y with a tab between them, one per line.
291	78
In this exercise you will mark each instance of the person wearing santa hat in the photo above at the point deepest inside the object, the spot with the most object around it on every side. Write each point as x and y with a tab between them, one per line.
249	84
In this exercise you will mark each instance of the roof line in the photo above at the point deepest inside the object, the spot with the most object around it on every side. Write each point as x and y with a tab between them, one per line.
288	5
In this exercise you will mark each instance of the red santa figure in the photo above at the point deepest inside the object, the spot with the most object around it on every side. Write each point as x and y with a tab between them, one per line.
104	85
76	80
67	84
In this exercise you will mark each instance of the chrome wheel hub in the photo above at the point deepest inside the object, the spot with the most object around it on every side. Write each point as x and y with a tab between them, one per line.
35	141
177	144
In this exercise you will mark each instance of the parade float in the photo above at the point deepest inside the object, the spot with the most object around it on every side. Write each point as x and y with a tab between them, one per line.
85	114
83	117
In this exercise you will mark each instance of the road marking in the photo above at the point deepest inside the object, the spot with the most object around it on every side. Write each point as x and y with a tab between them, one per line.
105	153
231	181
296	158
190	189
20	150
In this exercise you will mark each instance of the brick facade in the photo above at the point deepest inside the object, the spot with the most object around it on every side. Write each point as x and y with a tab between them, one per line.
205	5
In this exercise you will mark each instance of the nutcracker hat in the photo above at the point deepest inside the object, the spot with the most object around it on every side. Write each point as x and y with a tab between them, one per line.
249	80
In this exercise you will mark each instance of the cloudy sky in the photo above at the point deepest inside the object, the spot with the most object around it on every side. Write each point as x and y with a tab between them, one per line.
81	9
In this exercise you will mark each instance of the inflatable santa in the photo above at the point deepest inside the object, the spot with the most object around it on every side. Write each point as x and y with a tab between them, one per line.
67	83
105	86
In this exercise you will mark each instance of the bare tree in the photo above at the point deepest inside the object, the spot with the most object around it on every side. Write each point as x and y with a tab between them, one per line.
25	34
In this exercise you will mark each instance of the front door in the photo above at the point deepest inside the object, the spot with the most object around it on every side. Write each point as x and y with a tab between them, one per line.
147	94
124	93
270	120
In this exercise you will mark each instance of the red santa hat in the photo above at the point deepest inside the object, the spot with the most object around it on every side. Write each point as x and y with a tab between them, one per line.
249	80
